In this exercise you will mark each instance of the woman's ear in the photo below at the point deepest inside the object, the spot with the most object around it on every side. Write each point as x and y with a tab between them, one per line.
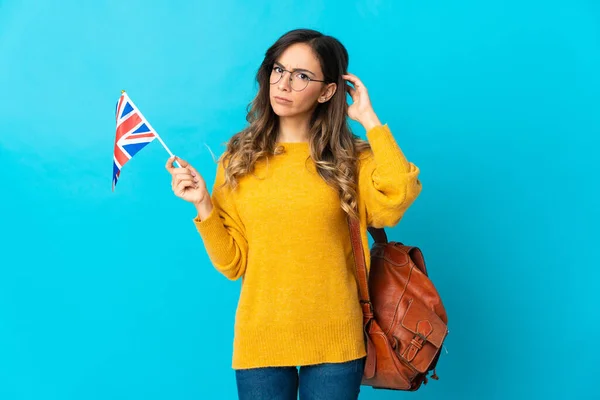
327	92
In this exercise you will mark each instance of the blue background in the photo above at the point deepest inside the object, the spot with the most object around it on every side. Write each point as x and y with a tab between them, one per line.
111	295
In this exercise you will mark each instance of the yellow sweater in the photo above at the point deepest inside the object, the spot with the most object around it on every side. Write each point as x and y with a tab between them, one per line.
284	232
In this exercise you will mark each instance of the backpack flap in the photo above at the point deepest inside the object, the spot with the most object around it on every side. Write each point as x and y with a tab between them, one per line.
427	333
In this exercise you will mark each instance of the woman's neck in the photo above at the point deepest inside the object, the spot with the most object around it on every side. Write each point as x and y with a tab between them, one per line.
294	129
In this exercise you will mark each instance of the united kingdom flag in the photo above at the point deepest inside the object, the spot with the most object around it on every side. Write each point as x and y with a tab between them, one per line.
133	134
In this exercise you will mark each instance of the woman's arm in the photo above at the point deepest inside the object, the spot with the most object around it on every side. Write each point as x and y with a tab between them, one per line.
222	230
388	183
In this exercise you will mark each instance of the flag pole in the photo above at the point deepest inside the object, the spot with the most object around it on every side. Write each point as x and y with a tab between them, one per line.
153	130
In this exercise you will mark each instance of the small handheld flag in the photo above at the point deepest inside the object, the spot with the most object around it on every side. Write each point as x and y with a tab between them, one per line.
133	133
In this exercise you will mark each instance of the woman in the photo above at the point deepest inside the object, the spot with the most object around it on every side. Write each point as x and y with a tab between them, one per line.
277	217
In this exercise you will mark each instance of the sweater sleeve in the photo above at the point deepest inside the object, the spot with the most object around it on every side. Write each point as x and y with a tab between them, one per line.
388	182
223	232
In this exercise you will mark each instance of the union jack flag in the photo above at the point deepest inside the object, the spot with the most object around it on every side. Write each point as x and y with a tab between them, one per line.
133	134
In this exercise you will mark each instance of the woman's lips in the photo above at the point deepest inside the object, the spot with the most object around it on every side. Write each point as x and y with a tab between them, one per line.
282	100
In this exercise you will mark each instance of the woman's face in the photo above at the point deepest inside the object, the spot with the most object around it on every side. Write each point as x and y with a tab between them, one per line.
288	98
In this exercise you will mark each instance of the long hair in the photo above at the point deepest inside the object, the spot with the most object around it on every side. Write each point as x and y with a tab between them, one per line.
333	147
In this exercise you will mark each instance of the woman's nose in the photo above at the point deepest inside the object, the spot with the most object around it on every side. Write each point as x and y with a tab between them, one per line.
285	82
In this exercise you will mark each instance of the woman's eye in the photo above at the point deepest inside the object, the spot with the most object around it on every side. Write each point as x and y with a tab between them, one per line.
302	76
277	69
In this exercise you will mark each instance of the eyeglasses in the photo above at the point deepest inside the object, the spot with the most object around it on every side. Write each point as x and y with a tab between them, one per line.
299	80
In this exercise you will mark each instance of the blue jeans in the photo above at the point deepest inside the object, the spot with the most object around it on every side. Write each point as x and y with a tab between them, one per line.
332	381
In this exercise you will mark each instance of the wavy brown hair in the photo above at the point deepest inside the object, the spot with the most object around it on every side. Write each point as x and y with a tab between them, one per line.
333	147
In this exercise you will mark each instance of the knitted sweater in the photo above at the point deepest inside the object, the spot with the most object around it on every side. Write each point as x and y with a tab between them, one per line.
283	231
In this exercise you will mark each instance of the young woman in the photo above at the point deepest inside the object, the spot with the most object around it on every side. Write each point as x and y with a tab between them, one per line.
277	218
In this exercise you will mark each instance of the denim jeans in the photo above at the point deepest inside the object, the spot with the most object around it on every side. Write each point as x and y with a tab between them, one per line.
331	381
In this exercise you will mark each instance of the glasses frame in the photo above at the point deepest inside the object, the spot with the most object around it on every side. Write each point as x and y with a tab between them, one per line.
291	72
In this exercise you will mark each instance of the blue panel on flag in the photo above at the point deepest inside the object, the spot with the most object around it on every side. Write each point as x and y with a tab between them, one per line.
127	109
142	129
134	148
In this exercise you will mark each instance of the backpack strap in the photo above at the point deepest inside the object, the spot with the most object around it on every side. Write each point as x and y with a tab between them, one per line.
362	276
378	234
361	269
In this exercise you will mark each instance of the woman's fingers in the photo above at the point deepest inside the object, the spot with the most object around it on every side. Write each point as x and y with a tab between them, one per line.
186	182
182	162
351	90
184	167
176	178
354	80
169	165
183	177
193	170
197	176
184	174
189	179
183	185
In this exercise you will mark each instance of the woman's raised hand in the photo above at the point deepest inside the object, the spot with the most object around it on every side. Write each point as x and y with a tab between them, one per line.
186	182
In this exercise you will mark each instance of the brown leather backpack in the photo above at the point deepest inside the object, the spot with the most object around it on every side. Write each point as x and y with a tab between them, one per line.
405	322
